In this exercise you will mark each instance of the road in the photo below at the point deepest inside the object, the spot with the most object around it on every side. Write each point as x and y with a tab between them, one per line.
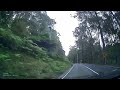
91	71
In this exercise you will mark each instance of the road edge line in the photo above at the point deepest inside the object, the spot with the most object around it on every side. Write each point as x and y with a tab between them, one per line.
67	72
91	70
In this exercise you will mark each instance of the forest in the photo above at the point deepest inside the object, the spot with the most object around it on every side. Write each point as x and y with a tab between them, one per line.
29	46
97	38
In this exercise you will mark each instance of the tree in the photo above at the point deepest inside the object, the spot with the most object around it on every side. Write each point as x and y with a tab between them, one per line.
34	26
72	56
95	23
5	18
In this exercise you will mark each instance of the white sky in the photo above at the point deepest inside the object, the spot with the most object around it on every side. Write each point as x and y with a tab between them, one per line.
65	24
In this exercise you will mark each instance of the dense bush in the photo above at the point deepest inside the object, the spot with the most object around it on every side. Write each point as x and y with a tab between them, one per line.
25	42
7	39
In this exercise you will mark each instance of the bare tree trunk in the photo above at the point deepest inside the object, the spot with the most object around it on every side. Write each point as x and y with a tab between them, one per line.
82	52
77	57
92	54
81	48
91	48
116	59
101	33
115	18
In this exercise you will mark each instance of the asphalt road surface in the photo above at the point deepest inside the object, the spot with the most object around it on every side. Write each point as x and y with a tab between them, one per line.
91	71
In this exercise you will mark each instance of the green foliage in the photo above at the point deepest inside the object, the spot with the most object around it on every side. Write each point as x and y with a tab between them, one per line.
18	27
4	56
92	25
73	54
29	47
22	66
5	18
7	39
39	38
113	54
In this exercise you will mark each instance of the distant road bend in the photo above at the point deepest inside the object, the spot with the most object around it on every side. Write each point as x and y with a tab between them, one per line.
91	71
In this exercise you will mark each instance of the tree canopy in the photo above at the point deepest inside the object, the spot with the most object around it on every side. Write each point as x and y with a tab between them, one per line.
97	27
29	37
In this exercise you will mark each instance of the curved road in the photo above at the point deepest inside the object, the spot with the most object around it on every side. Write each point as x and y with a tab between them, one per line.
91	71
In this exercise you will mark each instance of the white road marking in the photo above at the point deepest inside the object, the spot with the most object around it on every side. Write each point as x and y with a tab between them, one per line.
91	70
68	72
114	70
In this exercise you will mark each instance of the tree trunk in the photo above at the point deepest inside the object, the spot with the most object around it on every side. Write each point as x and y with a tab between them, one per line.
82	52
92	54
101	33
77	56
116	60
115	18
91	48
81	48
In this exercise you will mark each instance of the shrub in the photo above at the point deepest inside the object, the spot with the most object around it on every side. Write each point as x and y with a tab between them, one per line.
4	56
7	39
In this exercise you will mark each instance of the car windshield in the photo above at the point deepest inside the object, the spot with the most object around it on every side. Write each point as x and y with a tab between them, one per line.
59	44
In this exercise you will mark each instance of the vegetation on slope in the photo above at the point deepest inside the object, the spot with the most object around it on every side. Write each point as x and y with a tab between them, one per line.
29	46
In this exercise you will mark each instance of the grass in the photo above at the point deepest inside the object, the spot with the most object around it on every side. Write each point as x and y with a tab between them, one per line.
21	59
22	66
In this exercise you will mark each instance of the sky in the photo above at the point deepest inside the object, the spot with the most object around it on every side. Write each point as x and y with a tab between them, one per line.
65	24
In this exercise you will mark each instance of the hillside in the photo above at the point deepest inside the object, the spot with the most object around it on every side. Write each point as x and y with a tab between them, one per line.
29	46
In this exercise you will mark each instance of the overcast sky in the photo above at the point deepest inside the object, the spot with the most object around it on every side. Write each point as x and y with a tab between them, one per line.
65	24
